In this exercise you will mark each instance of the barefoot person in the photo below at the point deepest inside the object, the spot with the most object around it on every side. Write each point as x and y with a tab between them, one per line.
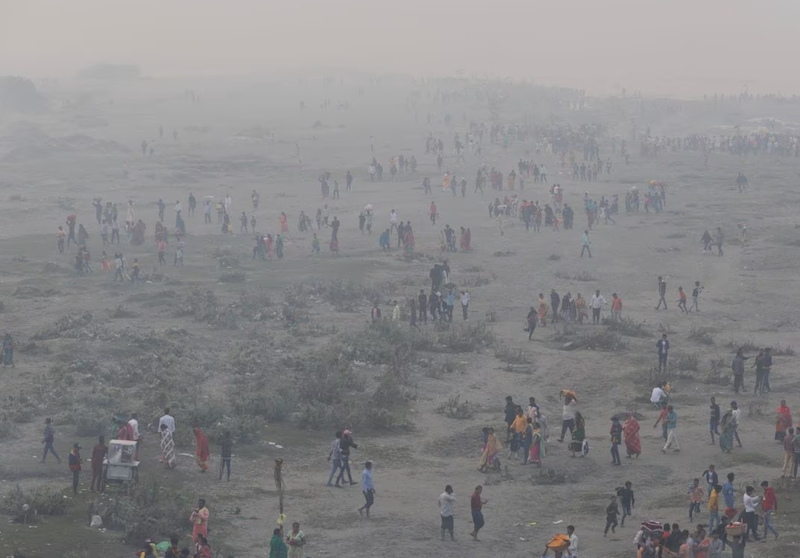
476	504
446	504
202	451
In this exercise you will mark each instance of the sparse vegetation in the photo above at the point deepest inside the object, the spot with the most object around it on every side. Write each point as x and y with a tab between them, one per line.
455	408
550	476
27	506
510	355
627	327
701	335
685	363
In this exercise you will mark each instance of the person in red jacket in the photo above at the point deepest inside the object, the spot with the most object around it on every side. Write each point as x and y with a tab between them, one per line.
769	505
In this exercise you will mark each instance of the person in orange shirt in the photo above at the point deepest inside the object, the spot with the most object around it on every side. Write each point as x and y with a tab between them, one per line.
616	307
682	300
518	428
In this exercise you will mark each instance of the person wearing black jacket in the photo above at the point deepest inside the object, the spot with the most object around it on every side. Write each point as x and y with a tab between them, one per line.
662	345
627	500
555	301
345	443
423	306
510	415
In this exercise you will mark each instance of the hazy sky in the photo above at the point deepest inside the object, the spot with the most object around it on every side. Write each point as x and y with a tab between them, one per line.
675	45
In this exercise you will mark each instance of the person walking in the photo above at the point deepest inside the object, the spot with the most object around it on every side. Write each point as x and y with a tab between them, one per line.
476	504
75	466
696	297
586	245
769	505
788	451
612	511
662	346
49	436
616	440
446	506
713	507
368	488
737	365
335	458
750	518
627	499
662	293
714	421
596	302
672	424
225	455
465	298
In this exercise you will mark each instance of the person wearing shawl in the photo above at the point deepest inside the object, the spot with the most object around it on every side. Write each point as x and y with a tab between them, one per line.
784	421
167	448
728	429
631	434
537	446
578	435
491	451
202	451
277	548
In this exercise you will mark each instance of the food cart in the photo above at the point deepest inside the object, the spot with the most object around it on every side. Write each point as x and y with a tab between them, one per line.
120	465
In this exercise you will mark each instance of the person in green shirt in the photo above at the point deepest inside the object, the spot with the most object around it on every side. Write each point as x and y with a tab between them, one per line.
277	548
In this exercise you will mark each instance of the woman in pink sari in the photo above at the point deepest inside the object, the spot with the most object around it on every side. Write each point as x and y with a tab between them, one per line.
631	434
491	452
537	447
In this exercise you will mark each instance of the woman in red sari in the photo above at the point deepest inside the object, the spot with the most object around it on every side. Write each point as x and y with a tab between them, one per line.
202	451
784	421
631	434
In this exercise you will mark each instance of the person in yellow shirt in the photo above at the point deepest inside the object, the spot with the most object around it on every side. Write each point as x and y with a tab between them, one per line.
518	428
713	508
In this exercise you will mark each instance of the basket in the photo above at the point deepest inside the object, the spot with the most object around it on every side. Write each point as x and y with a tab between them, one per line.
735	529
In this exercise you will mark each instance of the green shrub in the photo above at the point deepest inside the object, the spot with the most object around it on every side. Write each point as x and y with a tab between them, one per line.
27	506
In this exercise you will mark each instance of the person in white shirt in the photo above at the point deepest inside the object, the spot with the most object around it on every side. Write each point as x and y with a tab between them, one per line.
465	304
393	220
178	207
134	422
736	414
658	396
167	420
597	302
567	416
749	516
446	504
573	542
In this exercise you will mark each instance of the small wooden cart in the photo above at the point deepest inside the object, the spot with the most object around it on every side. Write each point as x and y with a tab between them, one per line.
120	466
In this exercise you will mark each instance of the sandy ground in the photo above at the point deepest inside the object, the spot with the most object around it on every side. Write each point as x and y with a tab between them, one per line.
748	298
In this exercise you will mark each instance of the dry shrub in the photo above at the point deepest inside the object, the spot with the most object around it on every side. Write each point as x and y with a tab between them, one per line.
510	355
122	312
27	506
455	408
748	346
465	339
232	277
627	327
701	335
151	511
783	350
550	476
685	363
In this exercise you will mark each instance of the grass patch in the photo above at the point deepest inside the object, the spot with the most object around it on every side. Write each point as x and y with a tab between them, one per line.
27	506
510	355
627	327
701	335
685	363
550	476
455	408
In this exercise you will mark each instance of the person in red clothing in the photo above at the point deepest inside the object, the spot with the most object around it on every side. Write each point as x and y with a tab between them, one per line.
98	455
616	307
769	505
476	503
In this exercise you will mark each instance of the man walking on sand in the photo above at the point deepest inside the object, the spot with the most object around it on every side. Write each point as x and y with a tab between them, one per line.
446	504
597	301
672	424
587	244
476	504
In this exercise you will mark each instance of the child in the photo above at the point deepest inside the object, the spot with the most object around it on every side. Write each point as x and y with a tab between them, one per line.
695	499
682	300
104	262
315	245
612	511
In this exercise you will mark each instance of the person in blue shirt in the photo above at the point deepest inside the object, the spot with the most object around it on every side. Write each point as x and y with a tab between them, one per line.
368	486
385	240
451	301
728	492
